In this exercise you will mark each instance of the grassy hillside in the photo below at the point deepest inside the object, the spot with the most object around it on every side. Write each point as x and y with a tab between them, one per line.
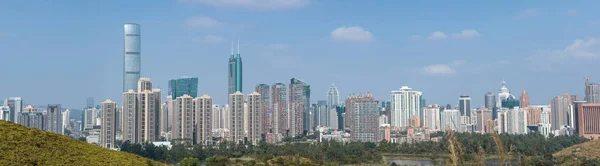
588	150
20	145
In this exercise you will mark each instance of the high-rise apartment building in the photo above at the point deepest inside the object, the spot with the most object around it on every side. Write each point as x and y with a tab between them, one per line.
132	52
66	117
203	115
333	97
490	100
4	113
164	118
183	119
405	103
141	113
299	107
524	99
16	107
464	105
588	122
53	119
89	117
592	92
517	120
235	71
183	86
216	116
484	115
279	114
109	129
322	114
255	114
264	91
236	119
431	118
450	119
363	118
534	114
560	108
32	117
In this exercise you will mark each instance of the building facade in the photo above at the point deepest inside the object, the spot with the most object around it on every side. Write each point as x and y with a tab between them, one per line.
464	105
560	108
141	113
299	107
32	117
183	86
484	115
265	104
333	96
236	118
524	99
109	129
490	100
203	119
450	119
16	107
363	118
589	124
132	52
279	109
431	118
255	129
53	119
592	92
183	119
405	103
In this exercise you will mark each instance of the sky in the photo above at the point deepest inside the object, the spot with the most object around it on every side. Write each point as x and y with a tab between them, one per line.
65	51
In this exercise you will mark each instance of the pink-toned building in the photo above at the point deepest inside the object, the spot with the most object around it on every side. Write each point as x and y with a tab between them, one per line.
415	121
533	115
386	133
589	120
524	101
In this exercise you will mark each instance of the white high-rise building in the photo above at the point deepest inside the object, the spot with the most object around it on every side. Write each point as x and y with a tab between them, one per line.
333	97
216	116
66	116
225	114
89	117
450	119
517	121
503	94
333	119
431	118
183	118
203	111
405	104
254	118
16	107
236	119
109	129
4	113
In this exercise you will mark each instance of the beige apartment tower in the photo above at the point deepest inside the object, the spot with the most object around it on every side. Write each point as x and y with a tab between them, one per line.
109	129
129	115
183	118
236	122
254	117
141	113
203	123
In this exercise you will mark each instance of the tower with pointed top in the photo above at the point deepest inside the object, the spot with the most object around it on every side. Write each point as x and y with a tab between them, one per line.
524	100
333	97
235	71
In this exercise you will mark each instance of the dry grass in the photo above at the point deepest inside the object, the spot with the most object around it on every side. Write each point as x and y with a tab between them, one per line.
588	150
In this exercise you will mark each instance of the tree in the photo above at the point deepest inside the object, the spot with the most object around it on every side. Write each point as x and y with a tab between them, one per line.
82	139
190	161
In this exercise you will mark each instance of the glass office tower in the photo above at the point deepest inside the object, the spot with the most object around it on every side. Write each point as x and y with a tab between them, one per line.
131	56
183	86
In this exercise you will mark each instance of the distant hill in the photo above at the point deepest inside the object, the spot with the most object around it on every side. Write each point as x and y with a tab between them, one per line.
20	145
588	150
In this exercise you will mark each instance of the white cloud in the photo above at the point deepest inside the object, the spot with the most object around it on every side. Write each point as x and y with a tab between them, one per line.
465	34
202	22
439	70
213	39
528	13
354	34
579	51
253	4
437	35
414	37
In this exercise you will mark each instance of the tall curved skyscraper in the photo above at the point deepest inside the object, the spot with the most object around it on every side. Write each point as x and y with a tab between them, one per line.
132	52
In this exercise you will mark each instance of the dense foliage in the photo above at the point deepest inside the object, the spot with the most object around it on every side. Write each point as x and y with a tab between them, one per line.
20	145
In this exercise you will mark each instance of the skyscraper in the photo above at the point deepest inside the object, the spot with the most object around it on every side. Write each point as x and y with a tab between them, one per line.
89	117
490	100
164	118
484	115
299	107
464	105
431	117
254	117
333	97
524	100
131	56
141	113
592	92
405	103
66	117
183	119
236	128
16	107
322	114
235	71
179	87
263	90
203	114
280	109
109	130
503	94
450	119
53	120
560	108
362	116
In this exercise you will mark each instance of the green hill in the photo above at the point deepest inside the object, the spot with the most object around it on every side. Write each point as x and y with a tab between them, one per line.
588	150
20	145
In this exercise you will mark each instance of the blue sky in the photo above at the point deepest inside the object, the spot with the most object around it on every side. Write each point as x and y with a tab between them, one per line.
65	51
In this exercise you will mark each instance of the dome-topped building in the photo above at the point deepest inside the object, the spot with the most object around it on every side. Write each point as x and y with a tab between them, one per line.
503	94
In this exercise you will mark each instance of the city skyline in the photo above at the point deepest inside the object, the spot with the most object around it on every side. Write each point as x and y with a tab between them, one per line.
442	79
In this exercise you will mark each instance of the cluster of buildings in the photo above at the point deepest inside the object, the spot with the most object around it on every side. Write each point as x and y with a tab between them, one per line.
271	112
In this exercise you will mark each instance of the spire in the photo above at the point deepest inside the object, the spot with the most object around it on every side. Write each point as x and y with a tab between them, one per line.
238	47
232	47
